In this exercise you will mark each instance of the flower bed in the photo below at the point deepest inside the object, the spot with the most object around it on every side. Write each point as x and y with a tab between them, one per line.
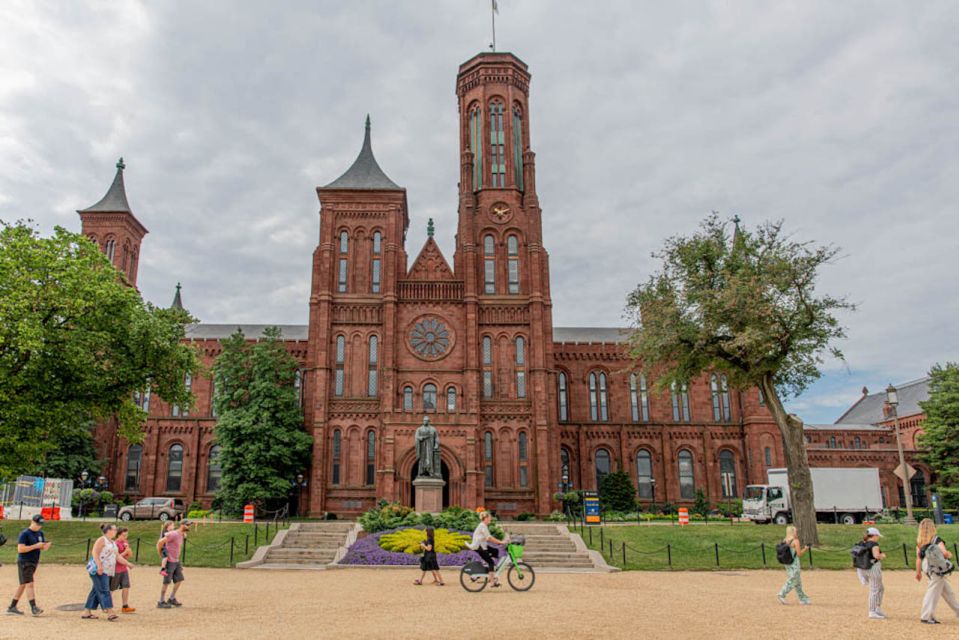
367	551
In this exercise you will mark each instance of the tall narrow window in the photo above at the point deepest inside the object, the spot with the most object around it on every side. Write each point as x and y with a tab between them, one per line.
298	386
518	146
375	267
488	458
593	402
497	145
643	398
344	251
687	483
476	146
523	459
644	474
371	457
487	367
684	398
110	249
602	466
724	396
408	399
134	459
563	397
727	473
178	411
451	400
213	471
634	397
762	397
429	397
337	445
174	468
680	396
598	397
768	454
371	374
339	375
489	264
142	399
213	393
520	367
512	264
717	402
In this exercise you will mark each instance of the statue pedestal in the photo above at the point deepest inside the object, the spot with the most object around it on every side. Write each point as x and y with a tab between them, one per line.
429	494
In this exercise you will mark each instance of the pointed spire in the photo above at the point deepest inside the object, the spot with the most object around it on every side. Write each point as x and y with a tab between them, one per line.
177	301
429	228
365	172
115	199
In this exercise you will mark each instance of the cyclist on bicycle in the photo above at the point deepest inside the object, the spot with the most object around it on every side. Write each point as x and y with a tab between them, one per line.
480	544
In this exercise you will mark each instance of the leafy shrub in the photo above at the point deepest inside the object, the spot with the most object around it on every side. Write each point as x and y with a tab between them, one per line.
409	540
194	506
556	516
388	515
526	515
617	493
731	509
667	508
700	506
195	514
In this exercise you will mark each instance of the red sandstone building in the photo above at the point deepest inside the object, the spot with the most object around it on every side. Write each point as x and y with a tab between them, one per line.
523	408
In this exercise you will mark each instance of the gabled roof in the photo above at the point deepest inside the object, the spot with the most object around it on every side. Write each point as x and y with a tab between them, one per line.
365	173
869	408
430	263
115	200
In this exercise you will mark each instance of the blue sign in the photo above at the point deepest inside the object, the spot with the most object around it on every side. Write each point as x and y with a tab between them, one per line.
38	484
591	507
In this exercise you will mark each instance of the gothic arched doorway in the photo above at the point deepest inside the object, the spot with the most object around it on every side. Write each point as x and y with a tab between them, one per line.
446	478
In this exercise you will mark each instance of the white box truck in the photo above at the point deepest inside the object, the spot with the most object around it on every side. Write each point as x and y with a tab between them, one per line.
844	495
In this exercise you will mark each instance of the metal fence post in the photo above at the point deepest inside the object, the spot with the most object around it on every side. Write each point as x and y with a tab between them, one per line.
810	558
137	555
905	555
716	546
624	554
590	529
231	551
256	534
184	550
602	543
669	555
762	546
87	556
610	549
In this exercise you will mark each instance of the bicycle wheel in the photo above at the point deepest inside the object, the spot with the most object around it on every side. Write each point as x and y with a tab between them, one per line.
521	576
474	583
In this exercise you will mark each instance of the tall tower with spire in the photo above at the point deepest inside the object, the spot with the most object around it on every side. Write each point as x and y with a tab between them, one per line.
111	224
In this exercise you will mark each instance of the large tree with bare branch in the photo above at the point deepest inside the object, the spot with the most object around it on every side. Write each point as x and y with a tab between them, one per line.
745	303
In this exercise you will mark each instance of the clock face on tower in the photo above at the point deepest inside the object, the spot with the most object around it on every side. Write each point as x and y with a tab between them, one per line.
500	212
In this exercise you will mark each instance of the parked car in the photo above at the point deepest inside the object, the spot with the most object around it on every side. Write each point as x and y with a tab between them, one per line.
153	509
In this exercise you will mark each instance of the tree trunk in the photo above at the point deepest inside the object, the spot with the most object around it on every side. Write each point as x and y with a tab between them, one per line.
797	466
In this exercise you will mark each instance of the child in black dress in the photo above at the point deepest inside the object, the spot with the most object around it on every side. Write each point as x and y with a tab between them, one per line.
428	561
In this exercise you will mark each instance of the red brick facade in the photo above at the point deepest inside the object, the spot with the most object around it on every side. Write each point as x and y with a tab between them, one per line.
518	404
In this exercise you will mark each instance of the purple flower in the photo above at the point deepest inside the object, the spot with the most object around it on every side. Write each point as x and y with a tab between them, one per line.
368	551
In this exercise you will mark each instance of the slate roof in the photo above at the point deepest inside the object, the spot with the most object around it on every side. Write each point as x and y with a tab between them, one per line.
868	409
365	173
252	331
844	427
115	199
590	334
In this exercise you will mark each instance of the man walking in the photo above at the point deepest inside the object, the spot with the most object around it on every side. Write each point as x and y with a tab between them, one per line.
29	545
172	542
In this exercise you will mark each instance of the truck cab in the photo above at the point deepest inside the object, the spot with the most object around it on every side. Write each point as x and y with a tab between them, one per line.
766	503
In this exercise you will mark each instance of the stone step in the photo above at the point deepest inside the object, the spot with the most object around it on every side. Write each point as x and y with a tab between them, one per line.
310	539
554	555
326	526
292	554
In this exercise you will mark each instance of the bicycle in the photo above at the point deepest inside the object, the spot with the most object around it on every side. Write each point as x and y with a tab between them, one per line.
474	576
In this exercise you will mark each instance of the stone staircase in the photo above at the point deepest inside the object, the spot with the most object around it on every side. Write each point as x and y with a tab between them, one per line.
305	545
552	547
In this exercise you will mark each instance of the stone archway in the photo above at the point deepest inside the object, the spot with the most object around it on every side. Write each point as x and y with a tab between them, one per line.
454	493
446	478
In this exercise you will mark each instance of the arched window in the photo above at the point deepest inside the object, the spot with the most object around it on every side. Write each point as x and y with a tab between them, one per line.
298	386
762	397
564	468
638	398
429	397
487	367
687	483
724	396
337	446
375	265
593	400
603	399
372	381
476	146
523	460
110	249
520	367
344	254
512	264
451	400
856	443
602	466
213	470
489	264
518	146
768	455
370	457
832	442
134	459
339	375
174	468
407	398
178	411
717	402
727	473
680	396
563	397
488	458
497	145
142	399
644	474
126	257
918	487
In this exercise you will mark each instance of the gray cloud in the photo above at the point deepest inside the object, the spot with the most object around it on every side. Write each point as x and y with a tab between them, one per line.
841	119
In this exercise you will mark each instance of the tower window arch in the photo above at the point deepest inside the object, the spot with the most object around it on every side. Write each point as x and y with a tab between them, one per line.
497	144
603	466
407	398
562	396
451	400
489	264
337	448
523	446
512	264
372	379
174	468
370	457
376	263
487	367
520	367
687	481
476	145
429	397
644	474
727	473
518	146
488	458
110	249
339	375
344	254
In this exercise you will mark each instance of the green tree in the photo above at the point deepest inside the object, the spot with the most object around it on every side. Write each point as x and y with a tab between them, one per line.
260	423
743	303
616	492
939	439
701	505
75	343
74	455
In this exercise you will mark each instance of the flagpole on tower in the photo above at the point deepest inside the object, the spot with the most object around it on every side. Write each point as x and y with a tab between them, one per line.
494	10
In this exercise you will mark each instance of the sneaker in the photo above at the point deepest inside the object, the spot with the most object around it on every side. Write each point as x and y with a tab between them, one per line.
128	609
13	611
930	621
175	602
164	605
781	599
881	612
875	615
36	610
805	603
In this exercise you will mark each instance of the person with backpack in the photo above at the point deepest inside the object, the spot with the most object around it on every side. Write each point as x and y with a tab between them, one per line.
867	558
789	552
935	560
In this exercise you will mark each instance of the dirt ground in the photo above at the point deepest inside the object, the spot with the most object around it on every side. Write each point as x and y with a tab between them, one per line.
370	603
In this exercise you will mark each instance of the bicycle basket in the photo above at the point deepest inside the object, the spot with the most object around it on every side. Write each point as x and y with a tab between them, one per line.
518	539
515	551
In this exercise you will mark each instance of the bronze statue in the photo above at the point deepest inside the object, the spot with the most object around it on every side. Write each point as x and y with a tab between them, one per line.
428	450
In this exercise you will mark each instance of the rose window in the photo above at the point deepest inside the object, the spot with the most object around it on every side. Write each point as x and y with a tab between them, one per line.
430	338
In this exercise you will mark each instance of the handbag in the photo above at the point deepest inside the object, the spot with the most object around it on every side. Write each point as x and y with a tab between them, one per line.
92	566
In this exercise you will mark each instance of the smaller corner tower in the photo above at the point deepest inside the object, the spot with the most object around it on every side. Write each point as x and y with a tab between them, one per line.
111	224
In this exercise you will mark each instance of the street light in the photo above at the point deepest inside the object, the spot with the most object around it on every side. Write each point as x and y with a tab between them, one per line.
652	486
892	399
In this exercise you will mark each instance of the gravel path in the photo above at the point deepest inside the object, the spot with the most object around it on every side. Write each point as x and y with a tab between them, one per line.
369	603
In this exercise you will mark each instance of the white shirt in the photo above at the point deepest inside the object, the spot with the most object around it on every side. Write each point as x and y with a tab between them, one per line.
479	537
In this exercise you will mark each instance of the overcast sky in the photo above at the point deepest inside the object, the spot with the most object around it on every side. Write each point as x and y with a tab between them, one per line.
840	118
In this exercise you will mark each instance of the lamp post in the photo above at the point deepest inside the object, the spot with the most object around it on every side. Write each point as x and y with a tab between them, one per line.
652	486
892	399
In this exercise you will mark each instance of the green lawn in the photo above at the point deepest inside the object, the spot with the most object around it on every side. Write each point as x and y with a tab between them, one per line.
208	545
658	547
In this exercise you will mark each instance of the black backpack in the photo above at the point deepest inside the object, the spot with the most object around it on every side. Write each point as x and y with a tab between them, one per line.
784	553
862	556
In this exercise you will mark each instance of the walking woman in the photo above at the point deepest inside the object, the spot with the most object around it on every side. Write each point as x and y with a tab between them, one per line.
932	558
793	577
872	577
102	567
